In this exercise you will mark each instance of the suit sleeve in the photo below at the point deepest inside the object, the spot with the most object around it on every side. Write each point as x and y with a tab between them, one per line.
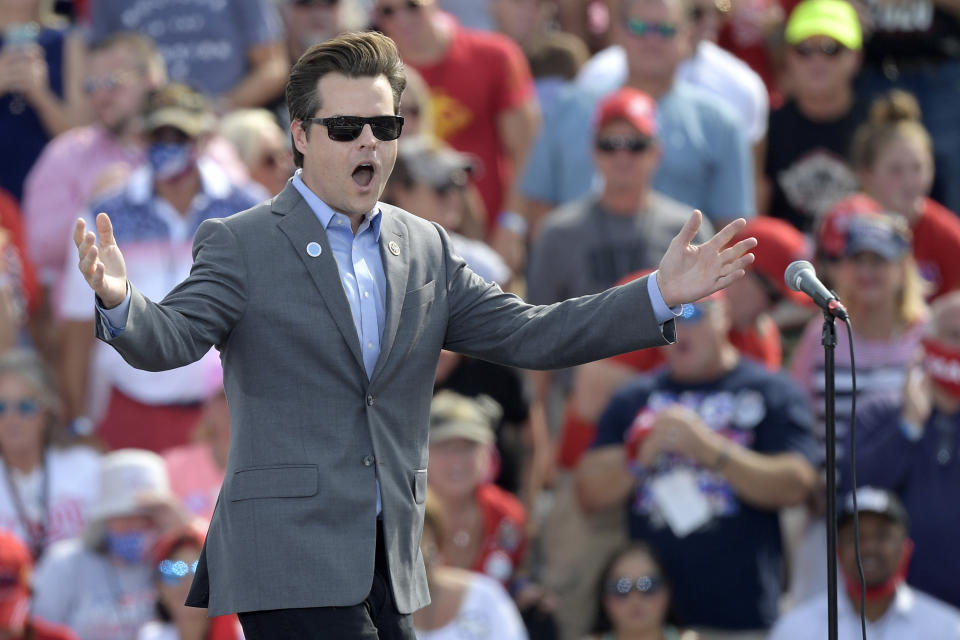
199	313
487	323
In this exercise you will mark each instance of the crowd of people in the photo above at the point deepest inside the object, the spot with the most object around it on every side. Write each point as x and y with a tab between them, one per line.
668	493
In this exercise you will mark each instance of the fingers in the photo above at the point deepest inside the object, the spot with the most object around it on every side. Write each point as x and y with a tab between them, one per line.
79	230
105	230
724	281
689	230
731	253
726	234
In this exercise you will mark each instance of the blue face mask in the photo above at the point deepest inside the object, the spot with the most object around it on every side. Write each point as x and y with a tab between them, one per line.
170	159
131	547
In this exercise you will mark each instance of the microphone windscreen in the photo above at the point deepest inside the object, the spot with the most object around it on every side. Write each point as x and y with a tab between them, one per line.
795	269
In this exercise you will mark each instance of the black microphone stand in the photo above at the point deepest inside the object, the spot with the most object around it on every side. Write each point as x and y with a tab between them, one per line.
829	341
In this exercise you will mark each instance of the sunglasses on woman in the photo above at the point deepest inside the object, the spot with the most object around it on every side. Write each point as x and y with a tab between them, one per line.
621	587
347	128
172	571
25	407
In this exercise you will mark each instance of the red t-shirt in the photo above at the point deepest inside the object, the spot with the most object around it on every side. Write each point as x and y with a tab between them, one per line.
16	264
504	533
482	75
936	247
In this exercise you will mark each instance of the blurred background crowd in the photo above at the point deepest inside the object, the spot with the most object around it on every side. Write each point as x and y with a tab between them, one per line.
669	493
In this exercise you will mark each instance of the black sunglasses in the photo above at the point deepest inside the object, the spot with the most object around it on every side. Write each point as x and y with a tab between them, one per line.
612	144
621	587
387	11
829	48
347	128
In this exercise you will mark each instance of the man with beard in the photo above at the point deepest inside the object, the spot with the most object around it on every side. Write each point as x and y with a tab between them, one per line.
893	609
121	71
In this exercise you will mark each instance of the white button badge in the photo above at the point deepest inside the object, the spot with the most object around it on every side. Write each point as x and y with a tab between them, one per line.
314	249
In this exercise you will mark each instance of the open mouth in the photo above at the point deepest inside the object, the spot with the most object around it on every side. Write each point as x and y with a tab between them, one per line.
363	174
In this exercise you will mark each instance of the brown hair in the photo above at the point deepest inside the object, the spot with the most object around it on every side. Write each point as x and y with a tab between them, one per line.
892	115
355	55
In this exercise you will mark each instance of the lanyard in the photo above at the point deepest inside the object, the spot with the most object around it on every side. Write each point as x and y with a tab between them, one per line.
36	531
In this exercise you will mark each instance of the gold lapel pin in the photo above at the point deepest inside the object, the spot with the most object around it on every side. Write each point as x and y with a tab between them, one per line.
393	247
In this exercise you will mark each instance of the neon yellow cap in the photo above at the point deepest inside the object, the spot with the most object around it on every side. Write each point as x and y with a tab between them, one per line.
835	19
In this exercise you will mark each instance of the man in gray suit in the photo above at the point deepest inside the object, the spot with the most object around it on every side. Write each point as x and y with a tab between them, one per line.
330	309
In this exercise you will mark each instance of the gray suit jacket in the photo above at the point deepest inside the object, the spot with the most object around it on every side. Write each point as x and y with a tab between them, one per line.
295	523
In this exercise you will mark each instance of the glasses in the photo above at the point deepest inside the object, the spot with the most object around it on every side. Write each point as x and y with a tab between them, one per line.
613	144
172	571
26	407
829	48
642	28
109	81
347	128
387	10
621	587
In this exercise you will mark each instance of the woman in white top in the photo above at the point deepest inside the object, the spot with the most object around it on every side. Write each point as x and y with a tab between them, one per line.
633	598
46	488
464	604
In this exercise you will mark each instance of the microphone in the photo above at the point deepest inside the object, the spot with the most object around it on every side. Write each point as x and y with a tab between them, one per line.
801	276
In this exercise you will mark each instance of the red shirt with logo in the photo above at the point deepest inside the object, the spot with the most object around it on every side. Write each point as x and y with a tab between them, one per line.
481	76
504	533
936	245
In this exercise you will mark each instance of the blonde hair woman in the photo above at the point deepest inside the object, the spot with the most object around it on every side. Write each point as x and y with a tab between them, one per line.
893	158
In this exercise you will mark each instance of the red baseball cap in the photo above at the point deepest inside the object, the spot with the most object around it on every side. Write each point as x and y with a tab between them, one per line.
778	244
15	567
833	229
631	105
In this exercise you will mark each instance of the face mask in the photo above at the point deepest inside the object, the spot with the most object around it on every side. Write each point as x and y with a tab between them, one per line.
131	547
170	160
886	588
943	365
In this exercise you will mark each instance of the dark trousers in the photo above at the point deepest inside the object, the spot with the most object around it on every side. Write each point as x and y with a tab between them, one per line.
376	618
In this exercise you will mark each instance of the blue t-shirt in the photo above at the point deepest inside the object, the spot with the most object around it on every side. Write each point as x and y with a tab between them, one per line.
727	573
925	473
203	42
21	129
706	161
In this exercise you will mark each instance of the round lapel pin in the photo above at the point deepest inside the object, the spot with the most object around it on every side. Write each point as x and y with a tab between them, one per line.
393	247
314	249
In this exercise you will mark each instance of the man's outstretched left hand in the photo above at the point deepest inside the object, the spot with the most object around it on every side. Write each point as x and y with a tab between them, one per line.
688	273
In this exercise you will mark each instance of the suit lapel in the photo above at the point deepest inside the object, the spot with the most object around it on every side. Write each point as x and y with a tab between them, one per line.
301	227
395	254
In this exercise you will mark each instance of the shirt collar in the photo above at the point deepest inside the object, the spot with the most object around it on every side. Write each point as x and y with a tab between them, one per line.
214	182
902	605
324	212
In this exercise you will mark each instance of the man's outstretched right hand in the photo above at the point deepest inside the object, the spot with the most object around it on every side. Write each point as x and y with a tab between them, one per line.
101	263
